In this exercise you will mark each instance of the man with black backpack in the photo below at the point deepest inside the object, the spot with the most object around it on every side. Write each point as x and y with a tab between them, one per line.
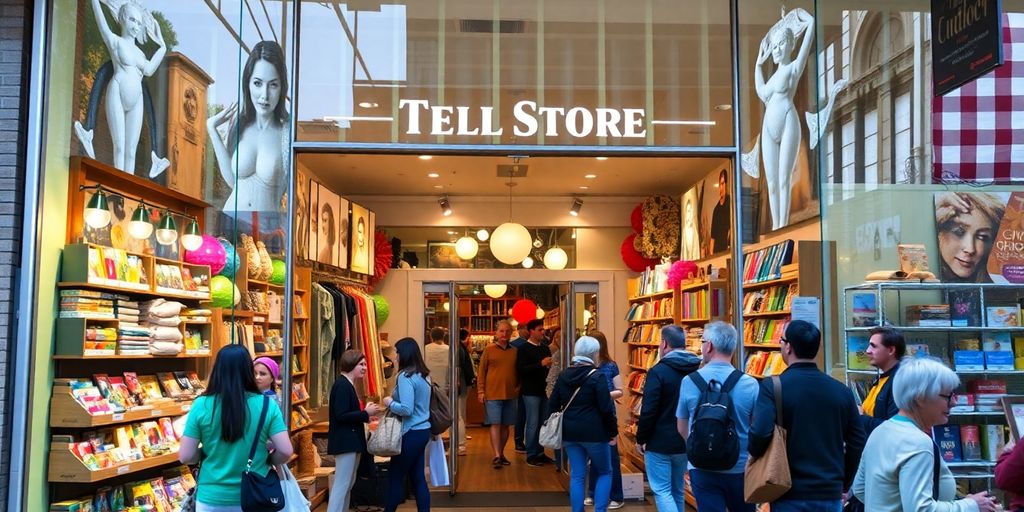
715	407
656	437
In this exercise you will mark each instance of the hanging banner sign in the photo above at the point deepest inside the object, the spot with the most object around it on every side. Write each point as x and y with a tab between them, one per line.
967	41
578	122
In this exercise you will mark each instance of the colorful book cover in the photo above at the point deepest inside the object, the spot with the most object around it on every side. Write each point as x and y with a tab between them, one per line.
1003	316
965	308
1006	259
913	257
131	381
993	439
970	442
160	495
197	385
142	496
102	383
948	439
150	387
169	383
857	346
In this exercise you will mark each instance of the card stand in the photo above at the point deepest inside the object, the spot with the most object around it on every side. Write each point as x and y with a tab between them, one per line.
71	337
66	412
75	269
64	467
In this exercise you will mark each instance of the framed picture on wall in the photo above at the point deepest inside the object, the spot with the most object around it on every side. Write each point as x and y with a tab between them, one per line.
343	233
371	240
442	255
312	249
330	206
359	241
301	226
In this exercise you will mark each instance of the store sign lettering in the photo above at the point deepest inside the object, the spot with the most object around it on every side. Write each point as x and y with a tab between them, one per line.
578	122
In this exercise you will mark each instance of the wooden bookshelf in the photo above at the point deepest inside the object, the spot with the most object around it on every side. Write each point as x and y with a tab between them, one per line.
702	301
64	467
66	412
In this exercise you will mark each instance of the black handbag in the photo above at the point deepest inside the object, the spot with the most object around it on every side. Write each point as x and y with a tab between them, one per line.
261	493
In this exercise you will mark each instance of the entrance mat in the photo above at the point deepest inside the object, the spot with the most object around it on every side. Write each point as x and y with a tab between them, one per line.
499	499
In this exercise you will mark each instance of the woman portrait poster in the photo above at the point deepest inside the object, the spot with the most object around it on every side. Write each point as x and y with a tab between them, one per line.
360	240
313	214
330	220
301	215
689	244
343	235
966	225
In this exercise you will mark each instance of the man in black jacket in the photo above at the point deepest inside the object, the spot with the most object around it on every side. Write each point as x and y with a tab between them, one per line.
664	450
532	363
467	377
824	432
885	349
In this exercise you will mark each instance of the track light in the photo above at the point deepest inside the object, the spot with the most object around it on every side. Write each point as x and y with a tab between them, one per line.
97	211
446	206
140	226
577	204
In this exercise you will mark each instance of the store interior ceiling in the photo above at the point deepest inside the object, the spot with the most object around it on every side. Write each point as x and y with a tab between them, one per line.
592	179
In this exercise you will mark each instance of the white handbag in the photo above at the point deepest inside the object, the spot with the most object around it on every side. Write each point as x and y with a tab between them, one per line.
551	430
294	500
386	441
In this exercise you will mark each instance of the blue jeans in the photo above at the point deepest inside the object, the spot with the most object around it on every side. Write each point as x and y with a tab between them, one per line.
599	457
806	505
665	474
535	405
616	492
716	491
409	463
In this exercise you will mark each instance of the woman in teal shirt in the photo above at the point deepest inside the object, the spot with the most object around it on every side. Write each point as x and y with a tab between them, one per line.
411	401
224	420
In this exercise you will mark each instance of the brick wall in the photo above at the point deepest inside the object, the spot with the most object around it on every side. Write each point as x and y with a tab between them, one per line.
15	46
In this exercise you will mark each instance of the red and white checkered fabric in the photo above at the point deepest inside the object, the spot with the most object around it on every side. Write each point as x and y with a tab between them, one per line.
978	129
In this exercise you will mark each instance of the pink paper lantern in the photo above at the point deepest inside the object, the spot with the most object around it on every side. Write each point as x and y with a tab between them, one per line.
211	253
524	310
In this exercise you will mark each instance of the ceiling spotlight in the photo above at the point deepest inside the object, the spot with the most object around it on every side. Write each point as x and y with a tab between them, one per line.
97	211
584	187
602	158
368	104
438	186
451	232
433	175
590	176
483	235
425	157
577	204
140	226
446	206
723	106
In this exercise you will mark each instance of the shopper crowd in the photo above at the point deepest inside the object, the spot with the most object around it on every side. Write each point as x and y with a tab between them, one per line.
699	416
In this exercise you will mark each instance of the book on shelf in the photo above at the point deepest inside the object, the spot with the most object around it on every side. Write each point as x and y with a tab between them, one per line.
857	357
965	307
766	264
948	439
1002	316
928	315
764	364
913	257
864	309
993	440
970	442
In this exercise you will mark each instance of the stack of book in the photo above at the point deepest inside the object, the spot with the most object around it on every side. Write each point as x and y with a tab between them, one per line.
775	298
929	315
115	267
762	331
766	264
88	304
765	364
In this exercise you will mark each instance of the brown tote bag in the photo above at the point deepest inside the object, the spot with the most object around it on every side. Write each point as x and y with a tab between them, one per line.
767	478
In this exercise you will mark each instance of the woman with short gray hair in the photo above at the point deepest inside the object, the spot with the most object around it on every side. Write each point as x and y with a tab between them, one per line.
588	423
900	468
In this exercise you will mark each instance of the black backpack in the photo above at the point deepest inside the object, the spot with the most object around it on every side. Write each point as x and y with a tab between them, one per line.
713	444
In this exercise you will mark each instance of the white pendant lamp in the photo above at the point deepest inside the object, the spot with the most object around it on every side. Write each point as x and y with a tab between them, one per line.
511	243
466	247
527	262
555	258
482	235
540	314
495	291
140	227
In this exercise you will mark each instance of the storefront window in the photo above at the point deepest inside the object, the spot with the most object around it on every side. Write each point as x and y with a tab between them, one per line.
529	73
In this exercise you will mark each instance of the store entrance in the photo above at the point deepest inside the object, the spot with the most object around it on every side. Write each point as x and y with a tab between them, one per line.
470	316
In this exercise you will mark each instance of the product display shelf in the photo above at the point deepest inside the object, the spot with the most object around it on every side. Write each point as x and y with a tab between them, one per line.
792	269
64	467
300	304
886	303
66	412
480	315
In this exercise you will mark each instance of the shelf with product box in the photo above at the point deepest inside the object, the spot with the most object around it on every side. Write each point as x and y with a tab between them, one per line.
975	329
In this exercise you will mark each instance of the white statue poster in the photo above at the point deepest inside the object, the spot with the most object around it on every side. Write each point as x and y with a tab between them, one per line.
343	234
690	242
313	250
301	226
789	181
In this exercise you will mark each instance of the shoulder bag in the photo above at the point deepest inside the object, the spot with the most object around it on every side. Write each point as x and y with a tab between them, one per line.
551	430
767	478
386	441
261	493
440	410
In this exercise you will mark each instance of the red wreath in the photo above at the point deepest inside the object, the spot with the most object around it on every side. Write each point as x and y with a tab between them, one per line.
636	219
632	258
382	257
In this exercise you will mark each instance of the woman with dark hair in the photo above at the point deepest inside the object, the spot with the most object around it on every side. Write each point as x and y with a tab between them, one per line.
327	236
607	367
346	435
967	224
260	128
224	420
410	401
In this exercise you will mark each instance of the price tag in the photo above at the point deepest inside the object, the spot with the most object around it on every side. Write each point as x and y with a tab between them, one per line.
117	416
127	468
157	412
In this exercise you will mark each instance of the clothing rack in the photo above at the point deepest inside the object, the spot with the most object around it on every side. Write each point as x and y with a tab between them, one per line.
339	279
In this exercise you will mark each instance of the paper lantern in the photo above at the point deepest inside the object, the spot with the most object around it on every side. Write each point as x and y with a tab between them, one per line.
555	258
277	276
636	219
223	292
495	291
210	252
511	243
540	314
524	310
383	309
466	247
681	270
632	258
231	260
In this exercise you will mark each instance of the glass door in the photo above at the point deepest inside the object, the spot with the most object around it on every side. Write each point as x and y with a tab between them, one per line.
440	319
578	310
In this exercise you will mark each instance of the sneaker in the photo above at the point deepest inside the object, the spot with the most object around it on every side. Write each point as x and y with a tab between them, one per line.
496	463
612	505
520	449
589	502
534	461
